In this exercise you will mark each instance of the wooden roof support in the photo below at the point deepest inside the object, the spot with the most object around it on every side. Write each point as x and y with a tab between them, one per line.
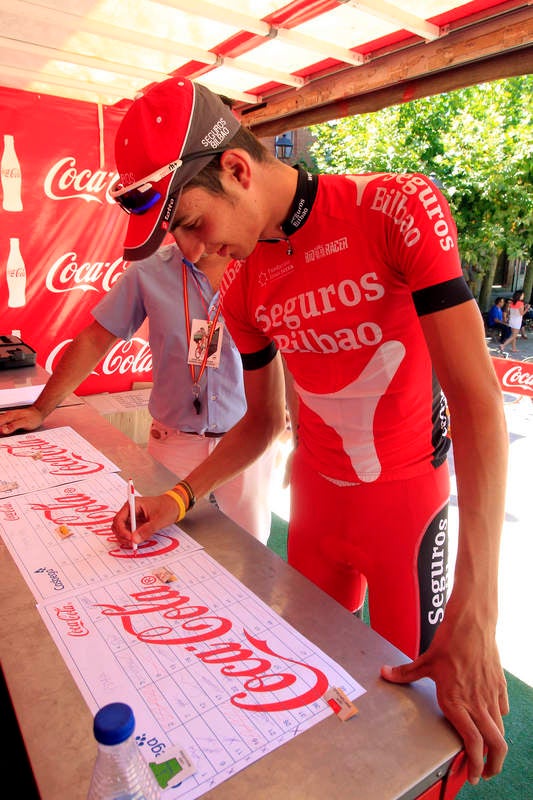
417	71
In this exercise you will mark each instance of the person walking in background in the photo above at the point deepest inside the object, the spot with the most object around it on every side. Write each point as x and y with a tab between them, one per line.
357	282
525	317
517	309
192	405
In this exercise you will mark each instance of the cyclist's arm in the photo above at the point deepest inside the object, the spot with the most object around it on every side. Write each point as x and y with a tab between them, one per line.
463	658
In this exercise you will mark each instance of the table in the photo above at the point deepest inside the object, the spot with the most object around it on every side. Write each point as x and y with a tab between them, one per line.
24	377
397	746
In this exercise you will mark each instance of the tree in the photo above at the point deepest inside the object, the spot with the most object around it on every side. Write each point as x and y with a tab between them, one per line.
476	142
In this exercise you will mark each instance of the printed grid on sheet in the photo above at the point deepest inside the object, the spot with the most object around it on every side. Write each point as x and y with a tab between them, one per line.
43	458
204	663
52	565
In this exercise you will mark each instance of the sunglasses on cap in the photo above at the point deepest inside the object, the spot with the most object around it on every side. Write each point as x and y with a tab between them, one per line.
139	197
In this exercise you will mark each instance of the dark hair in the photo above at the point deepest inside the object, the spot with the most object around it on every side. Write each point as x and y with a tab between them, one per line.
517	295
208	178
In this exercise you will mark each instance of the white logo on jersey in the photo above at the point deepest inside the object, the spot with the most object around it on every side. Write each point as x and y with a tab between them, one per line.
354	421
326	249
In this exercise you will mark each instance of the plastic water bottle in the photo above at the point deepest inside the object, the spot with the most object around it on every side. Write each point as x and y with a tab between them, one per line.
120	770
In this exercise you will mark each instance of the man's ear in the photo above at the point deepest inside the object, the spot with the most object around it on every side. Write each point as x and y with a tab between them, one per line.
237	165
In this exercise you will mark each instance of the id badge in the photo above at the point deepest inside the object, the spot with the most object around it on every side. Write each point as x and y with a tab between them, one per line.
204	338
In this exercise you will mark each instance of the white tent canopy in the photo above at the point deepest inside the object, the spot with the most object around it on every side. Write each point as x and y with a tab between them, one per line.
284	65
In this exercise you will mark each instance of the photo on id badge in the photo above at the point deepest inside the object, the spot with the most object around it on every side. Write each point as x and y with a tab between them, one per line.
205	339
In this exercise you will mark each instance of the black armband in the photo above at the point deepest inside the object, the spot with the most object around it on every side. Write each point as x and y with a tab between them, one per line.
441	296
259	359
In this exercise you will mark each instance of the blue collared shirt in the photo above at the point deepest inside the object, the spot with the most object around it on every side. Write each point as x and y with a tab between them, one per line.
153	288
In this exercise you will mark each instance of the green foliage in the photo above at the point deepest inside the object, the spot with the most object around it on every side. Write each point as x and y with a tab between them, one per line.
478	142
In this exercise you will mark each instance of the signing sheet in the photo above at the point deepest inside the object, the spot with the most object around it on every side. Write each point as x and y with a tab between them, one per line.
215	677
61	538
43	458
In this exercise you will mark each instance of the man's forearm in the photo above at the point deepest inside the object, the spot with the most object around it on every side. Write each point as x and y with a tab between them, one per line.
481	499
77	362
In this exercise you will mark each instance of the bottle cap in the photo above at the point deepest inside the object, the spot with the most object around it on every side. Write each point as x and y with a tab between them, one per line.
113	723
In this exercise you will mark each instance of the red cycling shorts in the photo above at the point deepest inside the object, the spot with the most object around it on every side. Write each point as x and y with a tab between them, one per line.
390	536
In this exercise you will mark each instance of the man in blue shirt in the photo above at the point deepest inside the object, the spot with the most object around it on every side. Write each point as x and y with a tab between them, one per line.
192	404
495	319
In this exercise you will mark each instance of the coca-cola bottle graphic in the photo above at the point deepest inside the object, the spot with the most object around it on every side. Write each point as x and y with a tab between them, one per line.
16	276
11	176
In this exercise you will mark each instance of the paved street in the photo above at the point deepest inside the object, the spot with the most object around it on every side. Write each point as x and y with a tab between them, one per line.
525	347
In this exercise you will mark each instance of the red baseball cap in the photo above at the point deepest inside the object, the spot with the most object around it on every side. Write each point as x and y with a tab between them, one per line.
167	137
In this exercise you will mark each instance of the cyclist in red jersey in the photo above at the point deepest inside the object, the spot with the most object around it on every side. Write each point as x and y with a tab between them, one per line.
356	281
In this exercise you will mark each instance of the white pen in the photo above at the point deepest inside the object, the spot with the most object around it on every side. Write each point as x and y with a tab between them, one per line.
133	520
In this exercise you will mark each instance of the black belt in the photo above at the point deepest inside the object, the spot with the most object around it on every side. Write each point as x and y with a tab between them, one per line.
155	433
207	434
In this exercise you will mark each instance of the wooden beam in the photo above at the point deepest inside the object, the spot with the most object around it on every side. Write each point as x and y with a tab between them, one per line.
416	64
504	66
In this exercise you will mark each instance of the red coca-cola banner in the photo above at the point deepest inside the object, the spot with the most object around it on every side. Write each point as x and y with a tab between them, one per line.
60	232
515	376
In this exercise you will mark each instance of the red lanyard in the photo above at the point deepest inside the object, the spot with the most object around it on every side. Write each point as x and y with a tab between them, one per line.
212	324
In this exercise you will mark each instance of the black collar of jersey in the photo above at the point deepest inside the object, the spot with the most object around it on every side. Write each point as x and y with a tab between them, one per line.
306	189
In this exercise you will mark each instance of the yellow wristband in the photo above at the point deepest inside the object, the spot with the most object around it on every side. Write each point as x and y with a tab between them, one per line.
179	489
187	489
181	505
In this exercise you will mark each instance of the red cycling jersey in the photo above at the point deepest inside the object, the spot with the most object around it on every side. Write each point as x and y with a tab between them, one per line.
341	301
343	309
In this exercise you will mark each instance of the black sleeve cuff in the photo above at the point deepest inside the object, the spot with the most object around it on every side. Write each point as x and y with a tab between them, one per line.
260	359
441	295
